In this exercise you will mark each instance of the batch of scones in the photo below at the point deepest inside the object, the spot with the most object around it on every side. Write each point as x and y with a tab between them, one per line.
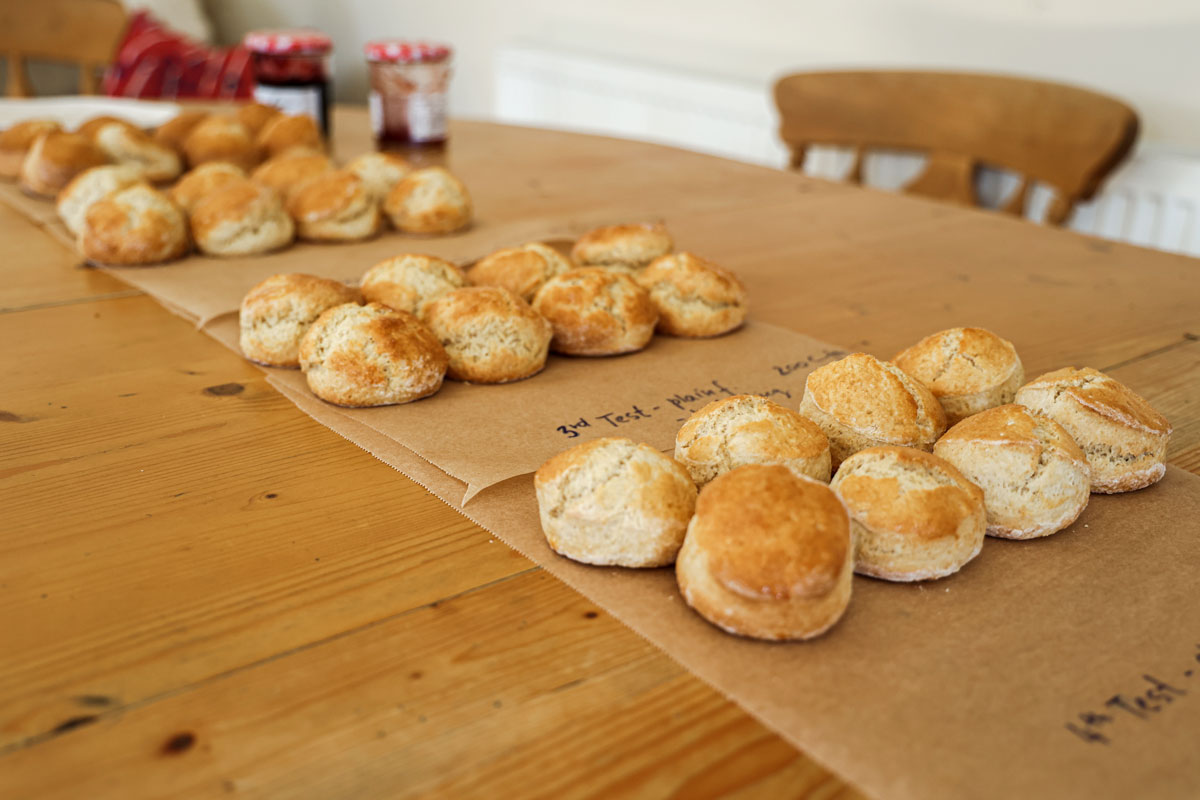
244	184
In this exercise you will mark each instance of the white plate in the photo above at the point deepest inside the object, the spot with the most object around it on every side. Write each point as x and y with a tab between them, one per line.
70	111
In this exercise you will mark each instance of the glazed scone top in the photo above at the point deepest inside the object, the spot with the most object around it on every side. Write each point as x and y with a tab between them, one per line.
876	398
287	171
407	282
20	137
960	361
343	336
769	534
330	196
1015	426
205	179
285	131
1101	394
591	306
775	433
523	269
379	171
172	132
62	149
256	115
907	490
633	245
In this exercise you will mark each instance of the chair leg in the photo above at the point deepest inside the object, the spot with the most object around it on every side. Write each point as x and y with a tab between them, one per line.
87	79
18	81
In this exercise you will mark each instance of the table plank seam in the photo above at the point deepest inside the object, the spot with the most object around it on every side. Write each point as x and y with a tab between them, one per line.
1187	339
74	301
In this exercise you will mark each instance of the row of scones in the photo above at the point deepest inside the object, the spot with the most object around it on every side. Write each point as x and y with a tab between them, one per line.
928	454
255	181
424	318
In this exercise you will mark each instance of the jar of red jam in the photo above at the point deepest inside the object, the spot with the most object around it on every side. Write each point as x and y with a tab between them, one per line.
409	82
292	71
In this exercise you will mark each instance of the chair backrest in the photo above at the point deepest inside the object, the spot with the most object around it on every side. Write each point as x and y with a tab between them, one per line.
1062	136
83	32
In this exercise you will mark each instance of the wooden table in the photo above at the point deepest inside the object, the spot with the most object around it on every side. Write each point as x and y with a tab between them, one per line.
206	592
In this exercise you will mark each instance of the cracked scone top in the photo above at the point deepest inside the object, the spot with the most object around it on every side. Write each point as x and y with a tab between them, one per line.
523	269
276	314
240	218
629	247
968	370
490	334
334	207
288	171
694	297
767	554
748	429
860	402
429	201
1122	435
410	281
133	226
616	502
1035	479
596	312
205	179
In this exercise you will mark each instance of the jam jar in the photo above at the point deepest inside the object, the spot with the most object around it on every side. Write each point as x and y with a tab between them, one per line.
292	71
409	81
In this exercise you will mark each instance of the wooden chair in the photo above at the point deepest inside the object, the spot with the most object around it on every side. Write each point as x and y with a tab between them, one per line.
1065	137
83	32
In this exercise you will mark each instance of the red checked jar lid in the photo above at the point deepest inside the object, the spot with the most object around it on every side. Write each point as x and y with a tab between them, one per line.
292	70
297	41
398	51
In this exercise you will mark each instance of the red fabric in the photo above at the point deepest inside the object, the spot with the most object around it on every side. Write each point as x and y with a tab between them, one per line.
154	61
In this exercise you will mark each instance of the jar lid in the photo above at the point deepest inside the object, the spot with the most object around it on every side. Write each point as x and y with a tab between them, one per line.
403	52
288	41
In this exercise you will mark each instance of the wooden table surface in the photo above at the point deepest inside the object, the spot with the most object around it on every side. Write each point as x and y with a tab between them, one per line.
206	592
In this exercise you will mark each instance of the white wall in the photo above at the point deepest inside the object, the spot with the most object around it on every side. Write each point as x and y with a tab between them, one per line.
1143	51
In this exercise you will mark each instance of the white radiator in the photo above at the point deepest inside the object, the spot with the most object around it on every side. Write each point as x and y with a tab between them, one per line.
1152	200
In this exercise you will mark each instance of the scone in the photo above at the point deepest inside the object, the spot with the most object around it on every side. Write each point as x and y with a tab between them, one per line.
124	145
628	247
380	172
172	132
429	200
523	270
1035	479
285	131
614	502
596	312
89	186
54	159
490	334
334	207
277	313
16	141
285	173
1123	437
90	127
767	555
135	226
914	516
371	355
860	402
411	281
202	181
748	429
255	116
694	297
968	370
221	138
241	219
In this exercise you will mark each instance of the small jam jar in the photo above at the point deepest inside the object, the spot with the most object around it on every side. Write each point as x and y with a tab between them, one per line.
409	81
292	71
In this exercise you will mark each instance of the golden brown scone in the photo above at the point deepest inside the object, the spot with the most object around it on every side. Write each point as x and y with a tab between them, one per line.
596	312
860	402
255	116
202	181
614	502
630	247
1123	436
89	186
748	429
239	219
334	207
371	355
125	145
694	297
135	226
277	313
409	282
173	132
16	141
1035	479
285	131
54	159
287	172
523	269
767	555
221	138
914	516
490	334
429	200
380	172
92	126
968	370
